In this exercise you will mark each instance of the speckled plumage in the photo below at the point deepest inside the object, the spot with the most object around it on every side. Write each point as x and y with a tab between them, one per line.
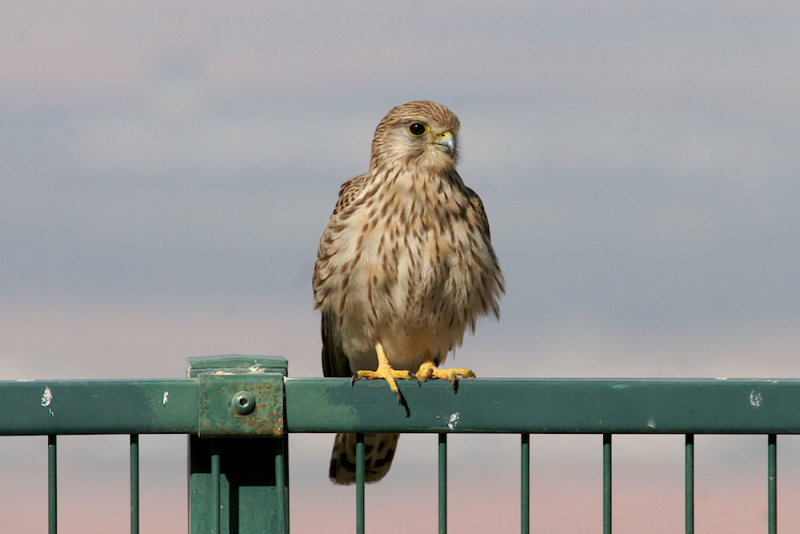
405	259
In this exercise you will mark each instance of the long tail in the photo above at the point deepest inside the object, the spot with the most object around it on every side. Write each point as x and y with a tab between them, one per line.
378	453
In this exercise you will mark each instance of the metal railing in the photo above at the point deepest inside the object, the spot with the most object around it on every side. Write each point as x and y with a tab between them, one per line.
239	410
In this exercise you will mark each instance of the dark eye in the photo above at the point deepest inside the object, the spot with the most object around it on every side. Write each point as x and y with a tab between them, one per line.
417	128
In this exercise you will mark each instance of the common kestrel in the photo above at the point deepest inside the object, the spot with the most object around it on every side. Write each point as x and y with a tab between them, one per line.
404	265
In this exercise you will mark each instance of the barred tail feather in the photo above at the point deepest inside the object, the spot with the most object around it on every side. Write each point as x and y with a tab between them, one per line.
378	454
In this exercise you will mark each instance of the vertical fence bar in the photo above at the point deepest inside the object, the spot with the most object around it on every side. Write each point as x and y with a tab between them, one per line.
525	483
689	483
360	483
134	483
216	474
772	490
606	483
285	487
52	484
442	483
282	483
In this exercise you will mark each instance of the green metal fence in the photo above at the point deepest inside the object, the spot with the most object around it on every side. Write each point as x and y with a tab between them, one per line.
239	410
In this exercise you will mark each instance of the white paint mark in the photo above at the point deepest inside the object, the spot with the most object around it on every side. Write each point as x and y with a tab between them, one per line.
47	399
452	421
756	398
651	424
256	369
165	398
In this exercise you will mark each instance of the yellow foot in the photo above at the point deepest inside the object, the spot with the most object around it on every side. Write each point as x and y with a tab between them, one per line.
385	372
429	370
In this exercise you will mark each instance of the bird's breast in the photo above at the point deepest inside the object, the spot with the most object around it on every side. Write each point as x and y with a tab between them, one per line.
412	259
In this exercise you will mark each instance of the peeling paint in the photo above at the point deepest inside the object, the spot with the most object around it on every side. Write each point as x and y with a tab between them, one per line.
47	399
651	424
47	396
165	398
257	369
756	398
452	421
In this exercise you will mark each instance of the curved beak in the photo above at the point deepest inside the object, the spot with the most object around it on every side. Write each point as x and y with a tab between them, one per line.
446	142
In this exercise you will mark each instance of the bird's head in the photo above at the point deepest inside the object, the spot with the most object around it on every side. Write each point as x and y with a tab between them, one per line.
419	134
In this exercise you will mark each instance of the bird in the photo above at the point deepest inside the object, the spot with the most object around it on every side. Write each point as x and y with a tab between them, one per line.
404	266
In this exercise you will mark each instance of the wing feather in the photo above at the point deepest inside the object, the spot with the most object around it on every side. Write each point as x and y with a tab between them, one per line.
334	360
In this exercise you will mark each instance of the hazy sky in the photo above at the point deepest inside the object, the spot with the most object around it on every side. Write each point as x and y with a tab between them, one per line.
166	171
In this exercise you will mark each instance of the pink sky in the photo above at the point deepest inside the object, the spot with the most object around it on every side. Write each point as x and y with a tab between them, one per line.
483	486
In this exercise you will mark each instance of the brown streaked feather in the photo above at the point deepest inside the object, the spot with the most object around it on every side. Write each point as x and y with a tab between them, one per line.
349	191
480	212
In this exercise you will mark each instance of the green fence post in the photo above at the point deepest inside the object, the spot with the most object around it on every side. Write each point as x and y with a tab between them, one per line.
239	485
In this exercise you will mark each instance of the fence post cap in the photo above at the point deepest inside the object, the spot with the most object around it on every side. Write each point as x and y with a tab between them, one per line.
237	364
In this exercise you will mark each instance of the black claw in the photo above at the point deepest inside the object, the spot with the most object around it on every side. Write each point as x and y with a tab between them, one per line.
399	396
412	375
401	400
353	379
454	385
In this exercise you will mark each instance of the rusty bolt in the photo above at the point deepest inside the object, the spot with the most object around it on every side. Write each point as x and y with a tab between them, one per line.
244	403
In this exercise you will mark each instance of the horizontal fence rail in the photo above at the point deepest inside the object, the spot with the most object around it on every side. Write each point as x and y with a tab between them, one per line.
245	397
630	406
627	406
